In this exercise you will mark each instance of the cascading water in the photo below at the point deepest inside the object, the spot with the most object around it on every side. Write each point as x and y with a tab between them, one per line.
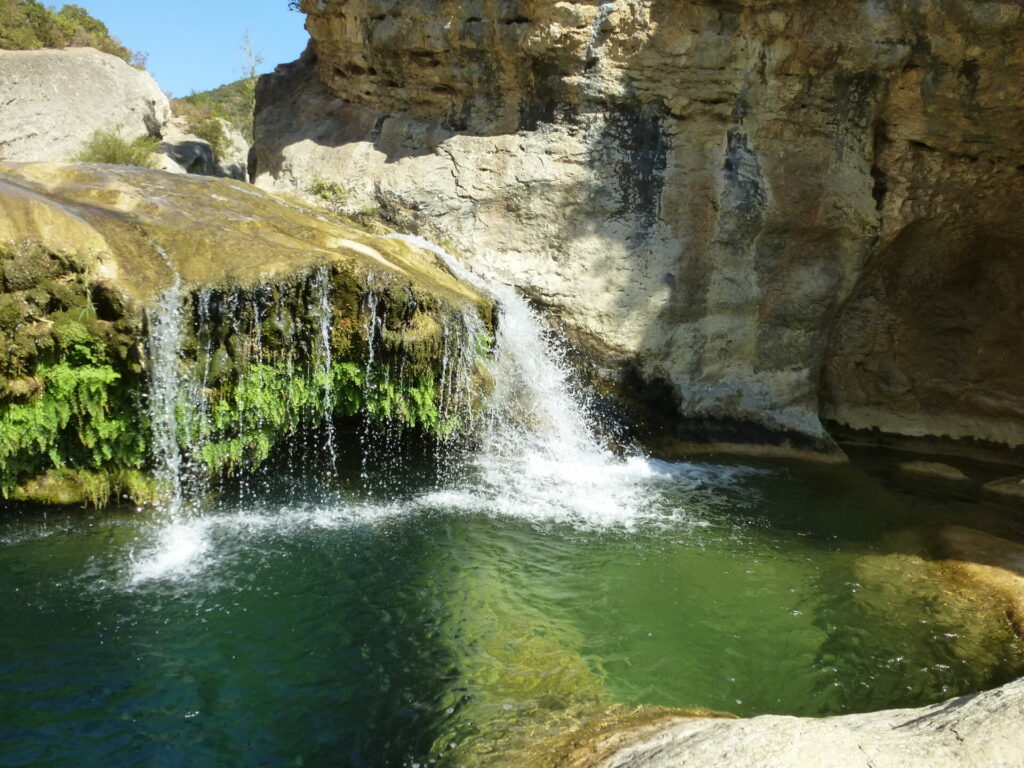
179	545
539	454
163	361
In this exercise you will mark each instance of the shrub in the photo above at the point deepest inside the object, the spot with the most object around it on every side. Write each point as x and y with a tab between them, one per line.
28	24
330	194
229	102
211	130
106	147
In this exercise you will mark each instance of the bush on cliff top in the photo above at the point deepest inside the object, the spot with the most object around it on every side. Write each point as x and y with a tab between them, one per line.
28	24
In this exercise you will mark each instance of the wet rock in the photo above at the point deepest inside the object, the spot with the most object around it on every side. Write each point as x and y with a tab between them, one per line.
977	731
1006	489
932	469
88	252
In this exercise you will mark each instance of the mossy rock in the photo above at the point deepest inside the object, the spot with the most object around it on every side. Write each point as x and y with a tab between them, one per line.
88	251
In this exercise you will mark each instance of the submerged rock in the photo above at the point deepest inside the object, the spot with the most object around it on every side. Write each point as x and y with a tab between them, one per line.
933	469
779	211
271	312
981	729
1006	489
976	731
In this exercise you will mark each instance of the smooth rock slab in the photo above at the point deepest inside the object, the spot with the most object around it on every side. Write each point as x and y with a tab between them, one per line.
1006	488
981	730
932	469
53	101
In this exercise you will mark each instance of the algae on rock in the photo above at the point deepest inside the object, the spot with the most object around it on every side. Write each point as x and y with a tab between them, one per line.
285	321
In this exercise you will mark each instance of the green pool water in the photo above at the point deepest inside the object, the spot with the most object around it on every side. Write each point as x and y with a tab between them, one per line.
460	623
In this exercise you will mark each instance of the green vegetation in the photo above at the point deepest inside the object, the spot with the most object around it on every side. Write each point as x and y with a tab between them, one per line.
212	132
267	403
106	147
270	402
28	24
79	416
233	102
229	102
330	194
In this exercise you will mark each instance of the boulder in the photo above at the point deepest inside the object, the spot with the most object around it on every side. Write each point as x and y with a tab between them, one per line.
53	101
194	154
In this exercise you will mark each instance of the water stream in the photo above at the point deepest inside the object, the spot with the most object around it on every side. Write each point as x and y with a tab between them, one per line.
376	612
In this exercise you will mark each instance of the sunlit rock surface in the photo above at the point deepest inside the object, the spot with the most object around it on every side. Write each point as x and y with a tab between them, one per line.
781	211
53	101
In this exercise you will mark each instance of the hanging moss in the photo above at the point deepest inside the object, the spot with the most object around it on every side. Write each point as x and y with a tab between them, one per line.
268	361
76	413
270	403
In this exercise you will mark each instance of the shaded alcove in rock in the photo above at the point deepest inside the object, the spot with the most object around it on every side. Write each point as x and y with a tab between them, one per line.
929	344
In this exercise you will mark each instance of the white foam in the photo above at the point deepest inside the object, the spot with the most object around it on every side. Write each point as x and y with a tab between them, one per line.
178	552
541	456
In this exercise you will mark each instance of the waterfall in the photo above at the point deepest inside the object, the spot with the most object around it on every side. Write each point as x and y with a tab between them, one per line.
529	449
164	322
540	455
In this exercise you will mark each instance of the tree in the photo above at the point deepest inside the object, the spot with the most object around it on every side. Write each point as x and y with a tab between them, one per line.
250	73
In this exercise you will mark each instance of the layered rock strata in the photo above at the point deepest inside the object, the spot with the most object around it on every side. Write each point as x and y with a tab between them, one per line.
259	318
781	211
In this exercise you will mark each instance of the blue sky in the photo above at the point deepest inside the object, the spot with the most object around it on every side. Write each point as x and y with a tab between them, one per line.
196	44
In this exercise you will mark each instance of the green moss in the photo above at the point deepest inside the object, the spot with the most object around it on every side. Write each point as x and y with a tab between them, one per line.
81	418
74	412
271	402
71	486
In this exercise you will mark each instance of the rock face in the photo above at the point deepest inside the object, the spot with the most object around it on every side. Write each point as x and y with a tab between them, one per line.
53	101
783	211
257	317
979	731
189	153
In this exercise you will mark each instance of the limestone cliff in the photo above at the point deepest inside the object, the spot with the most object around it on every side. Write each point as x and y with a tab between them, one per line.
782	209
